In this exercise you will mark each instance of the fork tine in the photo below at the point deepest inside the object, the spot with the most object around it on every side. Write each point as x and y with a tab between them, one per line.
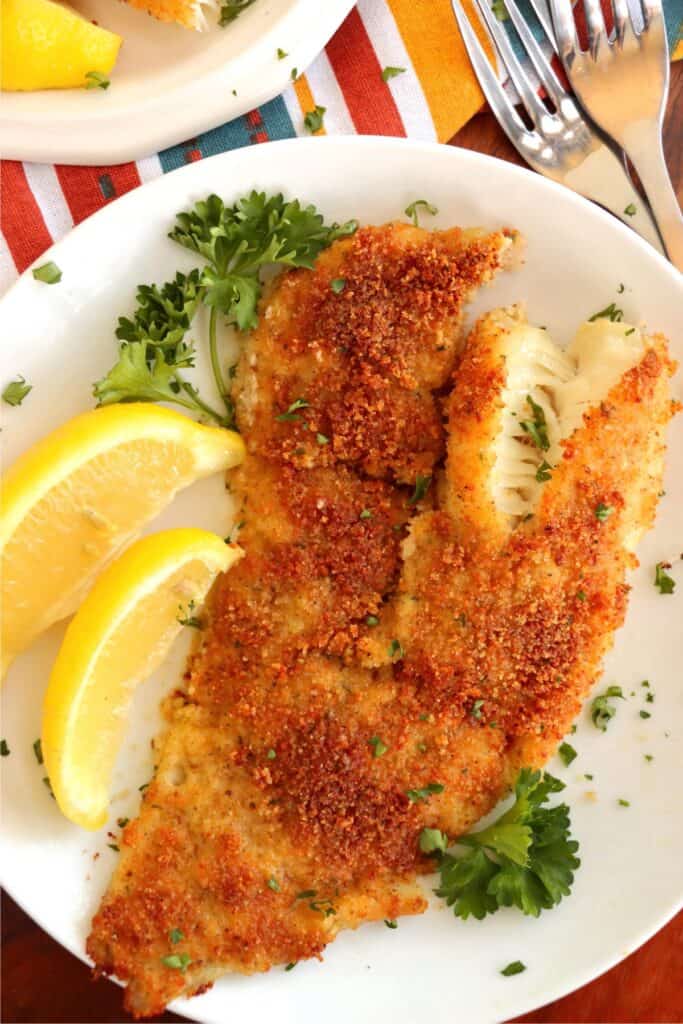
597	33
527	94
491	87
652	11
565	29
547	76
622	19
542	12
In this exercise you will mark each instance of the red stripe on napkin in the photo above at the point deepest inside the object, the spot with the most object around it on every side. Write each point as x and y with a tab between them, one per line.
20	217
83	189
359	75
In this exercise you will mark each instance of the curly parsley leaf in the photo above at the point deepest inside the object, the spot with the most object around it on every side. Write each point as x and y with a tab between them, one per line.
524	859
601	708
163	315
412	210
231	9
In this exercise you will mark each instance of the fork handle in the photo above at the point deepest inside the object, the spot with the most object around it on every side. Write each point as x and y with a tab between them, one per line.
647	156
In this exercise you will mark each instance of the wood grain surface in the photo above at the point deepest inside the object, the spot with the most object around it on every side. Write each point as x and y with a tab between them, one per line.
42	983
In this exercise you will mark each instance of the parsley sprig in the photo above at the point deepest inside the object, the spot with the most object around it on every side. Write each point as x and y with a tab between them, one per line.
235	244
524	859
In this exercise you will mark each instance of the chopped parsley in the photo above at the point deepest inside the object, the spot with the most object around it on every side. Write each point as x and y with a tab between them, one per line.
418	796
536	428
48	273
391	72
649	757
645	714
175	936
114	847
313	121
338	284
419	204
543	472
589	776
4	749
290	966
372	620
291	413
475	710
650	698
601	708
96	80
630	210
666	583
16	391
378	747
294	74
322	439
281	54
524	859
188	618
48	785
500	10
38	751
122	822
231	9
567	753
611	312
390	923
273	884
581	595
624	803
395	649
422	484
177	961
603	512
271	755
432	840
365	514
516	967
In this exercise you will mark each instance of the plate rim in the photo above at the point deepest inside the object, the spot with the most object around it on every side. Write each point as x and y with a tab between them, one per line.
469	159
122	135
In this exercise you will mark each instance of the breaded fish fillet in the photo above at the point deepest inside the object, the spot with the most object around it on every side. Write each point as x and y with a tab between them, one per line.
344	655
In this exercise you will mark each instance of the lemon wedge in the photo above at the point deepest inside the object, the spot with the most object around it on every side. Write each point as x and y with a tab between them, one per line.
119	636
45	45
71	503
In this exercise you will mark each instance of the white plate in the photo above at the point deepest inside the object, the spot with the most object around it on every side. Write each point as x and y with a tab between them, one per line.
435	967
170	83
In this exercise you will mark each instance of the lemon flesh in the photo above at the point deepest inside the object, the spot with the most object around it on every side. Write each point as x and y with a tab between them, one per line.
119	636
72	502
45	45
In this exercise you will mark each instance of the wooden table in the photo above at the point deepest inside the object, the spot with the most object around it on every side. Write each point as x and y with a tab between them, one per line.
41	982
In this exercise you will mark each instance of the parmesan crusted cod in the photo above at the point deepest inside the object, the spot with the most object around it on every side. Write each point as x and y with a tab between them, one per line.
414	606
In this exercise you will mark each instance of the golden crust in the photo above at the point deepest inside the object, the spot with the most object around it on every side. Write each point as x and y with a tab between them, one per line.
269	770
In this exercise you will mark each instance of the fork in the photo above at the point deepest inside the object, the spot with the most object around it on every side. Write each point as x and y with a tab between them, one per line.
562	144
623	82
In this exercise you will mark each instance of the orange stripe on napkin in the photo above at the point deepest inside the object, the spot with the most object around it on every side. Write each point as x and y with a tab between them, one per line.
305	98
431	36
359	74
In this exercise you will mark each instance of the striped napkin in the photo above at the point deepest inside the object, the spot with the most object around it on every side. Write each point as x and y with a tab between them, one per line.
430	100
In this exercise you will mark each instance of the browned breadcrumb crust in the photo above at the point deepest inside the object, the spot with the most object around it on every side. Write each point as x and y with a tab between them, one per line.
357	622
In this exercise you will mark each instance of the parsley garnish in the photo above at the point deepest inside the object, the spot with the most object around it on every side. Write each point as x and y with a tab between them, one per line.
601	709
372	620
271	755
624	803
16	391
290	966
422	484
378	748
603	512
38	751
588	776
231	9
649	757
96	80
537	428
611	312
290	415
175	936
338	284
645	714
412	210
543	472
475	710
4	749
516	967
294	74
534	857
418	796
273	884
48	785
313	121
630	210
235	243
187	618
390	923
114	847
177	961
581	595
49	273
391	72
281	54
433	840
666	584
366	513
322	439
395	649
500	10
567	753
122	822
